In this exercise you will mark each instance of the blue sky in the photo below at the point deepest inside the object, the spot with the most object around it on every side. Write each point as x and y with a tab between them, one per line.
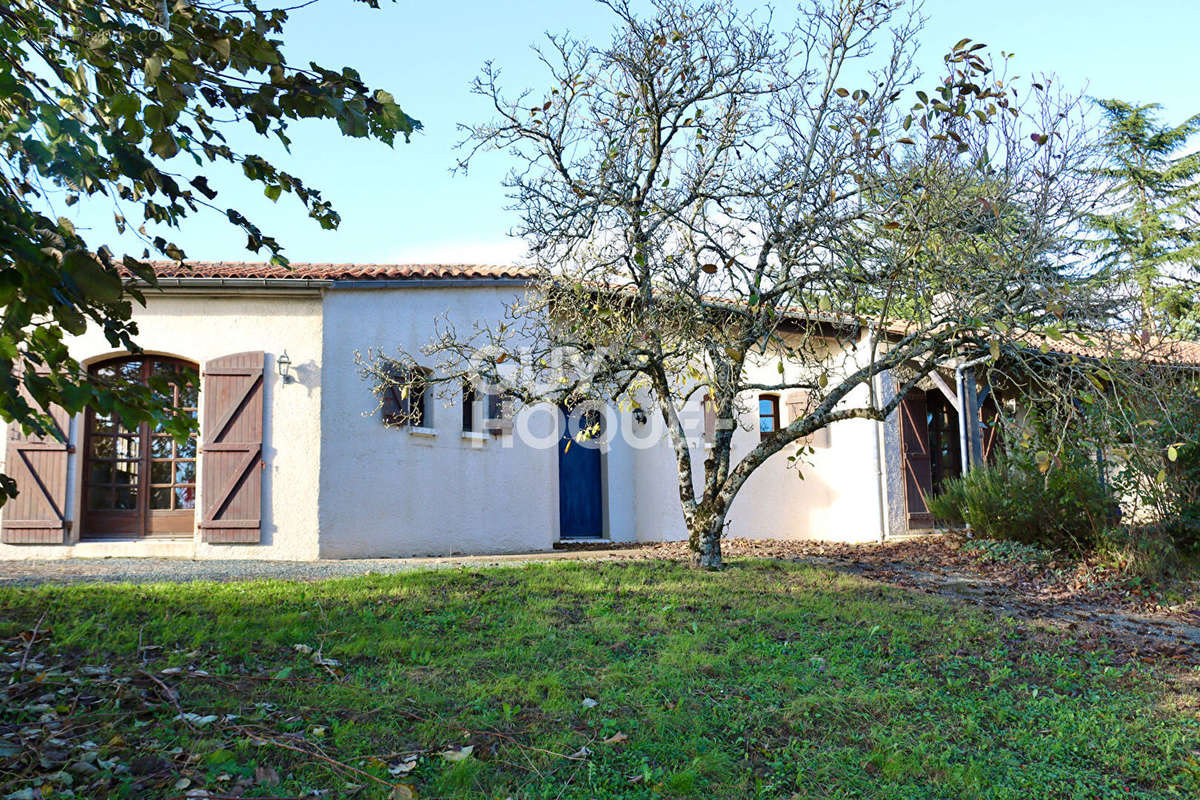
402	204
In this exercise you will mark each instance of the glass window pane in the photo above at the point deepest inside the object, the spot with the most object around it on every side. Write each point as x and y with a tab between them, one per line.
185	471
160	498
127	447
187	449
160	472
102	472
103	447
188	396
125	473
126	499
130	371
185	497
100	498
160	447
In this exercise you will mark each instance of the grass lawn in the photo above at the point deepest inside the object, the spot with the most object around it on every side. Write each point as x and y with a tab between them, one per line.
619	680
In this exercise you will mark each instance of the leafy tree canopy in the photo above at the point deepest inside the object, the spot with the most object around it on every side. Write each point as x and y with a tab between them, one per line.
132	102
722	206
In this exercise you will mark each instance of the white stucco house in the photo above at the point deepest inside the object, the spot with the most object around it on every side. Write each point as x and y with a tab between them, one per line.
297	466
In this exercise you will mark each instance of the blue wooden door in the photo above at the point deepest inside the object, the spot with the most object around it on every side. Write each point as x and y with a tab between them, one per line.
579	497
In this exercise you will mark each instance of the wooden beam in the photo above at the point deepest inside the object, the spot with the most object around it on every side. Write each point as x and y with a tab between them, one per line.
951	395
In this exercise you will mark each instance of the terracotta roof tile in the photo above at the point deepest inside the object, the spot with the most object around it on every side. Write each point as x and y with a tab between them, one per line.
336	272
1158	351
1163	352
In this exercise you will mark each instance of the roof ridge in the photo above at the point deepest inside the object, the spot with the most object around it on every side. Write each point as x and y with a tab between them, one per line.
316	270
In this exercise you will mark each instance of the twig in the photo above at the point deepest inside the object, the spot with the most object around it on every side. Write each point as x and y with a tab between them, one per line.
418	718
313	753
29	644
170	695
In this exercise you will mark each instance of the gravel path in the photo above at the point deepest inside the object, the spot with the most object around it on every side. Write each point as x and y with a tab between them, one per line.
173	570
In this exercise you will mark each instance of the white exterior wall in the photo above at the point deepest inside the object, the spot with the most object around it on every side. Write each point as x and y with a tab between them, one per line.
339	484
835	495
391	492
198	327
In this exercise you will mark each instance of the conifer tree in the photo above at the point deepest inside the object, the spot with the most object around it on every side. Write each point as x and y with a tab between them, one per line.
1150	233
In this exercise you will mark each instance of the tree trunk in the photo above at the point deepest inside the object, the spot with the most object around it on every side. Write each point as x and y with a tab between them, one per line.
705	539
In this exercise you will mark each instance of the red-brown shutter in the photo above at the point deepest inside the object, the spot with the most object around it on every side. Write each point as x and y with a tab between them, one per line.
231	449
799	403
393	408
918	472
39	466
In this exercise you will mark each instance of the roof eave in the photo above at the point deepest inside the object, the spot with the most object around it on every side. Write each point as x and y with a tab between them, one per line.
428	283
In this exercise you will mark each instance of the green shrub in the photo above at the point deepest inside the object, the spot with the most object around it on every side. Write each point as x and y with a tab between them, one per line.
1065	507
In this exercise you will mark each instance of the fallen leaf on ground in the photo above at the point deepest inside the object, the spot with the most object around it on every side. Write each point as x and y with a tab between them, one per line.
405	766
458	755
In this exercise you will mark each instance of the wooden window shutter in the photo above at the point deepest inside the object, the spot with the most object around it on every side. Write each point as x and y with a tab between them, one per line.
499	414
799	403
231	446
406	405
39	466
394	408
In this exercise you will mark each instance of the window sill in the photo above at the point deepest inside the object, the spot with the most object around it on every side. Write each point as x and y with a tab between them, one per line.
476	438
424	433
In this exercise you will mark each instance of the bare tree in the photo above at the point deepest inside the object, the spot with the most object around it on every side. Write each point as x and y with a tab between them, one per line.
706	195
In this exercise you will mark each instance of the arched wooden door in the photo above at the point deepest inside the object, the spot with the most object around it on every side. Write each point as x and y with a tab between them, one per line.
138	482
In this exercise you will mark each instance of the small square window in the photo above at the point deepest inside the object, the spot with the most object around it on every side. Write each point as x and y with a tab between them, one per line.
406	399
499	409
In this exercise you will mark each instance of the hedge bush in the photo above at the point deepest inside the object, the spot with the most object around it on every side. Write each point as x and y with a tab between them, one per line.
1064	507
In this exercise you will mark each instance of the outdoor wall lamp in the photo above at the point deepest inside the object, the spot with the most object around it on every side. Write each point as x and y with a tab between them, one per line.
284	365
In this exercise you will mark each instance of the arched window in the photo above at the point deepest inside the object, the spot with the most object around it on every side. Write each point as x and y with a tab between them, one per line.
138	481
